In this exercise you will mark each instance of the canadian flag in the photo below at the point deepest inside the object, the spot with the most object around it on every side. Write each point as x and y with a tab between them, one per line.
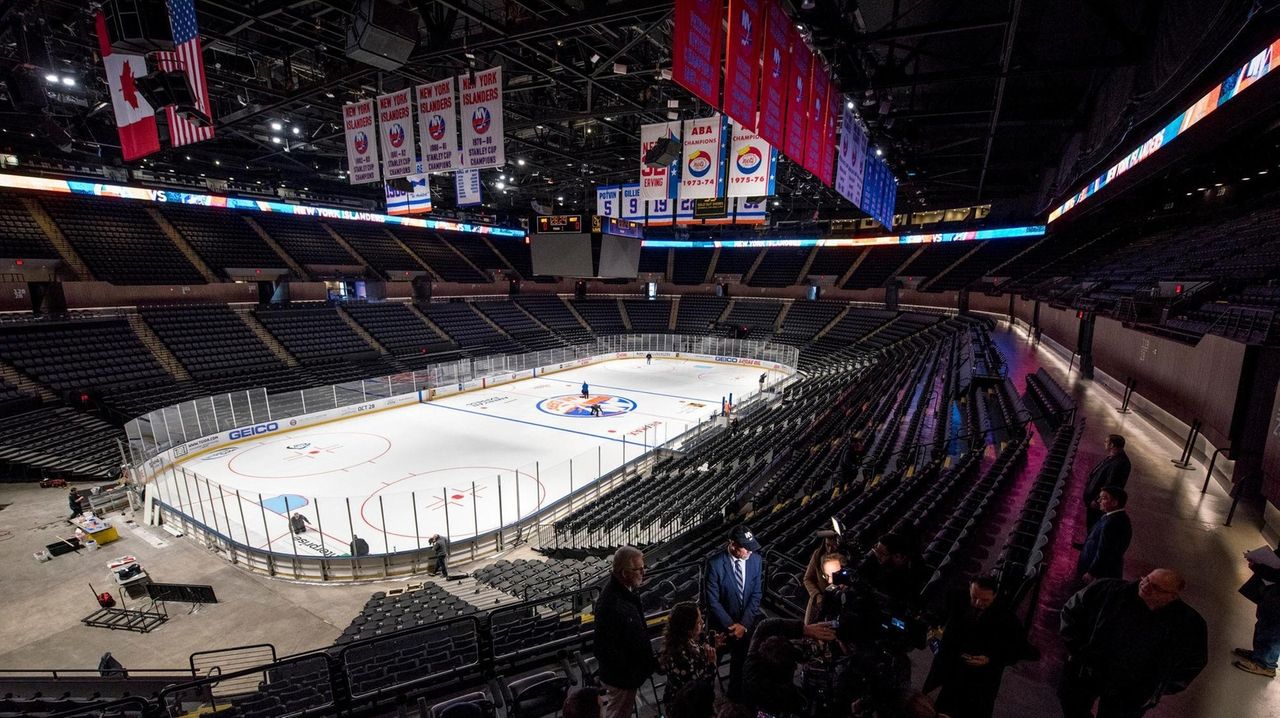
135	118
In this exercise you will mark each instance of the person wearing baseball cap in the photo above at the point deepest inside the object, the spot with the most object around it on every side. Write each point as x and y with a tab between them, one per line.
734	587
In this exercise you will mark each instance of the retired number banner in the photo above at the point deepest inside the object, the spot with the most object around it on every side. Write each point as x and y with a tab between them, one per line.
772	125
362	142
438	126
482	119
658	182
395	128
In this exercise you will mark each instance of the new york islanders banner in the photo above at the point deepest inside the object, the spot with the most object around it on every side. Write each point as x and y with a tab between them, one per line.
772	124
742	63
395	133
632	204
438	126
798	98
702	168
362	142
658	182
696	46
482	119
752	165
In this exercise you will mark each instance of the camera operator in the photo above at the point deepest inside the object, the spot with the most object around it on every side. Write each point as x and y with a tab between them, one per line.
772	659
894	568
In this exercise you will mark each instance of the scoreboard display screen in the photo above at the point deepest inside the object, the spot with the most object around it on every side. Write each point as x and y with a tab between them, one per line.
549	224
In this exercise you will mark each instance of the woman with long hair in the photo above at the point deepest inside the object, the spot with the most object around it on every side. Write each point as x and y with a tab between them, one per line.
689	664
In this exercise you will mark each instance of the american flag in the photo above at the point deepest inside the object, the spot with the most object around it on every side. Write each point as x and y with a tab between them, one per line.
188	58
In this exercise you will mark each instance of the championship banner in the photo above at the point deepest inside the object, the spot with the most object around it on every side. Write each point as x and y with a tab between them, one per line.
853	157
438	126
362	142
879	191
696	48
749	210
658	182
815	134
395	132
702	169
753	165
467	184
632	205
684	212
609	201
827	168
482	119
797	98
773	83
661	212
742	65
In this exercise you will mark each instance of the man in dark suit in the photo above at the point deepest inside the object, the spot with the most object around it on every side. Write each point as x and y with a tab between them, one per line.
1103	554
734	587
1113	470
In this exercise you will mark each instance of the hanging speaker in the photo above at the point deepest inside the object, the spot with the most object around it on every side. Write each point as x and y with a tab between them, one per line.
138	26
663	153
382	35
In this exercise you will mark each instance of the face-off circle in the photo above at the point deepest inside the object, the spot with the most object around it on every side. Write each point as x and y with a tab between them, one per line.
309	455
577	406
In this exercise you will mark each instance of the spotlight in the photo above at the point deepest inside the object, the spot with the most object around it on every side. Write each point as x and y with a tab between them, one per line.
295	130
849	104
51	77
520	162
69	81
501	185
275	140
277	126
502	177
217	162
879	152
559	199
776	203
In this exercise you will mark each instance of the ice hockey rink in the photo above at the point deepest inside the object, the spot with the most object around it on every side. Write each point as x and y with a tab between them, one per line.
459	465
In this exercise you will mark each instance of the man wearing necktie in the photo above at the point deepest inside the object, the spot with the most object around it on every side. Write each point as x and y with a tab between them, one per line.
734	587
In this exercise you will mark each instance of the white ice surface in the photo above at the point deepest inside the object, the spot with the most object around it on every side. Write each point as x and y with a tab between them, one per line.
457	456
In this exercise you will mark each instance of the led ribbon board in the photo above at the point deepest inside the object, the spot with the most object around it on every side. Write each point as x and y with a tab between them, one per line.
99	189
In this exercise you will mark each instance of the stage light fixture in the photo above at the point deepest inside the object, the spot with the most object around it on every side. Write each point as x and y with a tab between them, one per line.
277	126
520	162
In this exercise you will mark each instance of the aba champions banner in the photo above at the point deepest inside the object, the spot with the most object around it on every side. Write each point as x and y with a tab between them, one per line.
742	63
702	166
752	165
658	182
362	142
438	126
482	119
773	83
395	128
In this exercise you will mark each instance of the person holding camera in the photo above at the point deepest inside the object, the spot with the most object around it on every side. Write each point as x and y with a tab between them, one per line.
771	664
1129	643
980	639
816	577
894	568
733	590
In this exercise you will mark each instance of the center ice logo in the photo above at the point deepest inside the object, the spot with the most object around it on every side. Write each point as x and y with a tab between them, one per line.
576	406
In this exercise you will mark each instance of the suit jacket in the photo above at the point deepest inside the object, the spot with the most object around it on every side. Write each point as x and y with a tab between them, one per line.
724	606
1111	471
1103	553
